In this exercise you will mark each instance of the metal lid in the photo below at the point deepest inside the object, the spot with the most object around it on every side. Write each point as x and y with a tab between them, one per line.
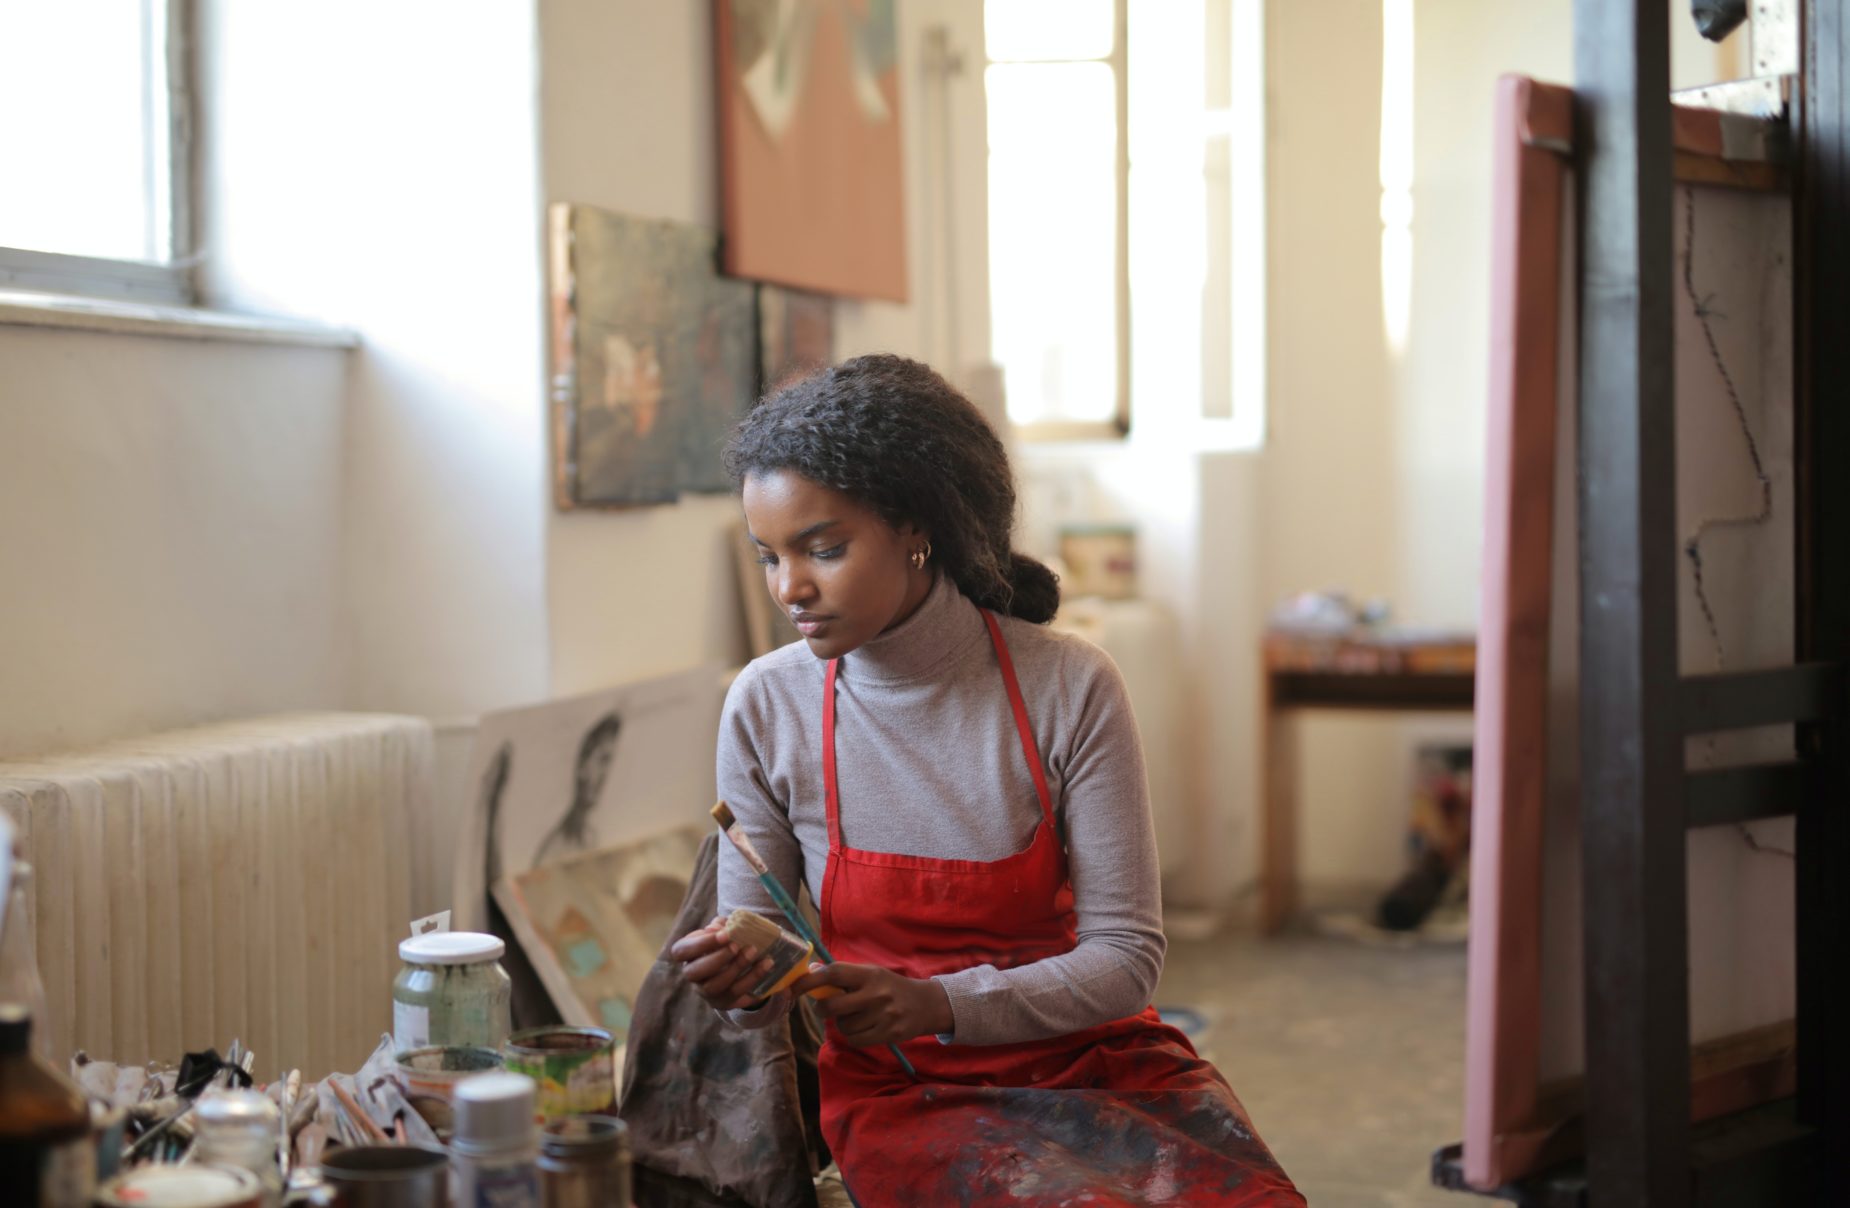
181	1187
494	1111
451	948
237	1108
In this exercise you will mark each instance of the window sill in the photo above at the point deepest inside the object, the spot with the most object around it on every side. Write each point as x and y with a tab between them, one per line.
23	308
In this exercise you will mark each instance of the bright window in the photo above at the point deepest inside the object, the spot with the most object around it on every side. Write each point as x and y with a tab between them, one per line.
93	106
1126	210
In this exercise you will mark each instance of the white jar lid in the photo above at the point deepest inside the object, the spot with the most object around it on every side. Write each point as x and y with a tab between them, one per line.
494	1111
451	948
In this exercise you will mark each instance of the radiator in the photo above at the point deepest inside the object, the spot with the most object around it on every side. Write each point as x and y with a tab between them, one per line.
243	880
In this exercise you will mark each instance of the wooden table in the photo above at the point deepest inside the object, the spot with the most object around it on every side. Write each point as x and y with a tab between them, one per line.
1403	671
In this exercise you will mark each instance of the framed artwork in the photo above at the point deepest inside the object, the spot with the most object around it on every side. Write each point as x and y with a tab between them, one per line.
652	357
1525	1044
810	166
796	335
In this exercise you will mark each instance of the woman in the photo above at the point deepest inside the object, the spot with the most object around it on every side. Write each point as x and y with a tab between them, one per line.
962	790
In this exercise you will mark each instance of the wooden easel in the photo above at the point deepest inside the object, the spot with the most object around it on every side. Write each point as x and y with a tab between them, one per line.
1636	710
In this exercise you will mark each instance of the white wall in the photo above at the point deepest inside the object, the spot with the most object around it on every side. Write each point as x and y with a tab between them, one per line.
627	122
1374	462
169	533
403	203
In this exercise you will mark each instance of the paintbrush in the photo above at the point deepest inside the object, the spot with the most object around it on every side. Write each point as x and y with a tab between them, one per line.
729	827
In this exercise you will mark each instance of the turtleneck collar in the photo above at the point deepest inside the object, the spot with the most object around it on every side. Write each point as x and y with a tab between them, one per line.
945	627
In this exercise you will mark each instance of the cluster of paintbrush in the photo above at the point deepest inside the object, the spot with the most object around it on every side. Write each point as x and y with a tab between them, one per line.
729	827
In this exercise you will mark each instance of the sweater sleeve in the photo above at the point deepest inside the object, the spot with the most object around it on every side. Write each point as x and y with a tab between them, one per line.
745	786
1117	894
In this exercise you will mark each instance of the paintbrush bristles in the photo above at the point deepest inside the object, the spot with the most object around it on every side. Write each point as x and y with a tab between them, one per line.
751	930
728	825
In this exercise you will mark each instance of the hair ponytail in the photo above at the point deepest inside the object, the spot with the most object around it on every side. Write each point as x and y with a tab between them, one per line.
1028	590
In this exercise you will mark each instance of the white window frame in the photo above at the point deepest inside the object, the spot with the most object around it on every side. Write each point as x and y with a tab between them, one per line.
175	282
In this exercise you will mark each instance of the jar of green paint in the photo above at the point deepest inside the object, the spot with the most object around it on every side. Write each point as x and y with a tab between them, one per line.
451	992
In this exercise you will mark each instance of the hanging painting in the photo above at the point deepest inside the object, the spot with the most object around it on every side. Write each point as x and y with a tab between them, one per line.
652	362
796	335
810	145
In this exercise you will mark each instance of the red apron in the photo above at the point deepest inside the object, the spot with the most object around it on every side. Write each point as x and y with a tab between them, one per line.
1123	1113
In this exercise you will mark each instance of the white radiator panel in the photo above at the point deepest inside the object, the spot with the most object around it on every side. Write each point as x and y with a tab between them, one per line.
249	879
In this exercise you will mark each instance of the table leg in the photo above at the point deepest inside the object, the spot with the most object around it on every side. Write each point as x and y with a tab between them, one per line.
1279	852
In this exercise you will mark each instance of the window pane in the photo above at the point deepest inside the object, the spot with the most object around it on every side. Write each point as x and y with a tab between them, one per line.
1053	238
84	128
1048	29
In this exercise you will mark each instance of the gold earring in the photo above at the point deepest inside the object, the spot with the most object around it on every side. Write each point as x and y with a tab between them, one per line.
919	557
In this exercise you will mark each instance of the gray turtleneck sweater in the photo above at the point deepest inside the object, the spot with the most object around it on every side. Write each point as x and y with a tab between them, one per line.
930	765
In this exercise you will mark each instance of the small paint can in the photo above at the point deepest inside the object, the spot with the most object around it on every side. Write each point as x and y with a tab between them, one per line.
574	1068
190	1186
388	1176
428	1077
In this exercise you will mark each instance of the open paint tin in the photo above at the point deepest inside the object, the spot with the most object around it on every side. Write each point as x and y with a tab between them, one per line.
182	1187
574	1068
428	1077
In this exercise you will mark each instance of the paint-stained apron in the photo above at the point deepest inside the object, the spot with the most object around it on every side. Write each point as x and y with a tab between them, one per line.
1124	1113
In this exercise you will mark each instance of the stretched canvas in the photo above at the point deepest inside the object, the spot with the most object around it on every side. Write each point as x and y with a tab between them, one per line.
593	924
652	358
810	176
556	780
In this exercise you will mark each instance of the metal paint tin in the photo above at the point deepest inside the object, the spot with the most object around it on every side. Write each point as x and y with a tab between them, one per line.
574	1068
191	1186
585	1163
428	1078
388	1176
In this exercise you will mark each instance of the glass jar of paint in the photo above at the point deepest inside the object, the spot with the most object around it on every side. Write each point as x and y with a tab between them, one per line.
451	992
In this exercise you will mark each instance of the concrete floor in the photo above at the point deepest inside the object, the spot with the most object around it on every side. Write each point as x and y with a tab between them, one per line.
1349	1057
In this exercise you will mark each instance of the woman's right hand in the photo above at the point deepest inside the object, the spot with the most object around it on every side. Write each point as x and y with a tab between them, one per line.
723	972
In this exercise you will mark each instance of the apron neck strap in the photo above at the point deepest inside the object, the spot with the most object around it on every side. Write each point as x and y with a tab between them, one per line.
1016	704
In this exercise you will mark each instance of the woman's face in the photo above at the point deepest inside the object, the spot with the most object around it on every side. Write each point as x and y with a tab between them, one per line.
841	573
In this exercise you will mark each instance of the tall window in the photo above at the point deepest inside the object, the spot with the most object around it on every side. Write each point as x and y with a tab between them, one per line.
1126	206
1055	85
94	148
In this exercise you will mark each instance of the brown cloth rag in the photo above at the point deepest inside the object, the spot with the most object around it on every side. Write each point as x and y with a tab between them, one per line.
717	1114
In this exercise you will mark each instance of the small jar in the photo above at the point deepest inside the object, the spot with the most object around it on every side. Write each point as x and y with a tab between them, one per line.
585	1163
240	1128
452	992
494	1155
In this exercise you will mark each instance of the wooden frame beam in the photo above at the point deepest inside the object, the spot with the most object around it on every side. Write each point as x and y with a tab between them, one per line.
1633	856
1822	435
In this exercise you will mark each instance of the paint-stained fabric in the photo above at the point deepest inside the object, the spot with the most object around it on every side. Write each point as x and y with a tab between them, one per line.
715	1114
1119	1113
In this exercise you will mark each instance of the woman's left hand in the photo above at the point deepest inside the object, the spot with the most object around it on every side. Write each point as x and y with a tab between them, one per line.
878	1006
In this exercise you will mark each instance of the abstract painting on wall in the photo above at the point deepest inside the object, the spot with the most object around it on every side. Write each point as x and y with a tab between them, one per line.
810	168
652	358
796	335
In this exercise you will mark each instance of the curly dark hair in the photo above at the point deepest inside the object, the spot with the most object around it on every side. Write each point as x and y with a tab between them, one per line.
894	435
